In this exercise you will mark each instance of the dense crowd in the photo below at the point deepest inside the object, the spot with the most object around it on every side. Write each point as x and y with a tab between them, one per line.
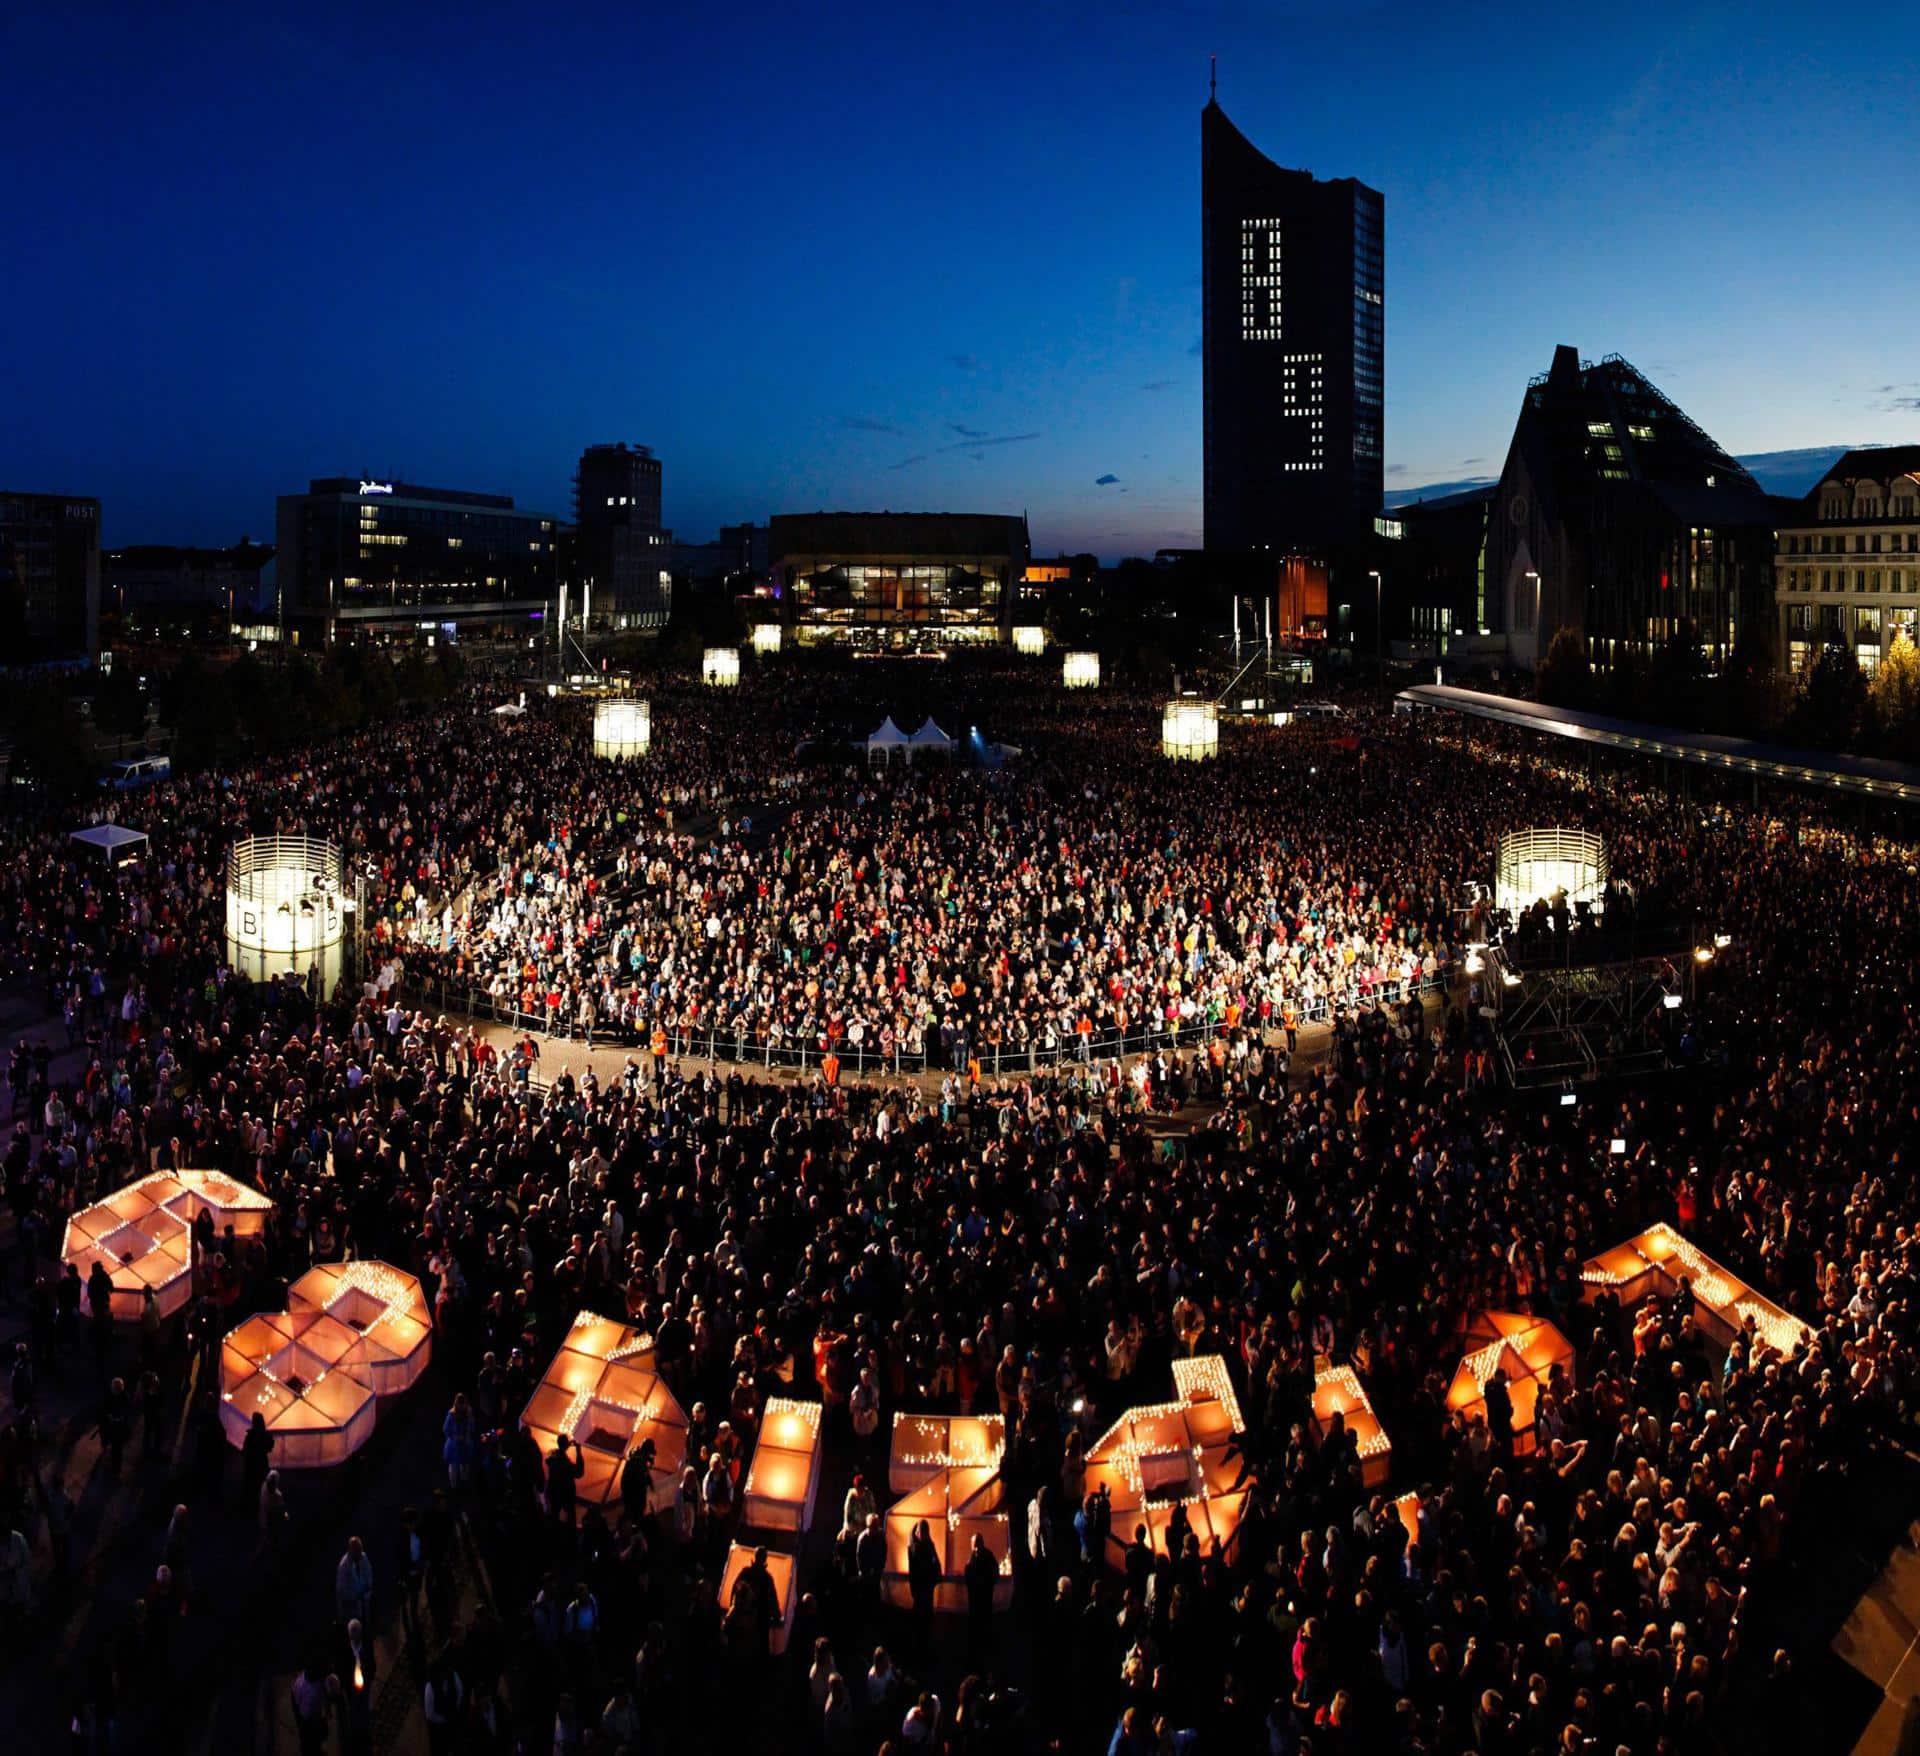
1039	1247
938	914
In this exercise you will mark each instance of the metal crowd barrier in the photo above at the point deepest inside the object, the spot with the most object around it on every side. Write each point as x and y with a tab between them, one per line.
862	1058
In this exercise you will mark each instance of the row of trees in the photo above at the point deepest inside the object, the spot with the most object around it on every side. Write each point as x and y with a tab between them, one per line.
1832	705
251	706
217	709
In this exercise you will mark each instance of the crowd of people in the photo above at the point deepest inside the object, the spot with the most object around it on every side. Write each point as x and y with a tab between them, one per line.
929	915
1040	1247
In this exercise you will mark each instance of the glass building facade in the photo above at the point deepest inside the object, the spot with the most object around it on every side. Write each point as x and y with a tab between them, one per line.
1617	517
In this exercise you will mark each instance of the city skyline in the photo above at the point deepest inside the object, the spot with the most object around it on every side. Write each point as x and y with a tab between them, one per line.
247	258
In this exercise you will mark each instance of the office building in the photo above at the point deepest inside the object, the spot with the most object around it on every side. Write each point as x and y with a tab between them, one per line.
49	577
898	578
623	575
166	580
381	559
1293	316
1846	564
1617	516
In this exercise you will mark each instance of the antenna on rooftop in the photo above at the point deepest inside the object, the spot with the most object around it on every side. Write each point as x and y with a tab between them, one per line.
1213	78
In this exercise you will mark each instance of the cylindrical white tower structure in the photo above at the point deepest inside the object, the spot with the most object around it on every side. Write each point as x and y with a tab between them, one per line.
287	907
720	668
622	727
766	637
1029	640
1541	864
1190	729
1080	670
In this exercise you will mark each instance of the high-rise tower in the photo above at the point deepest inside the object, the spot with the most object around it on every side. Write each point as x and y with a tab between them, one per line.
1293	286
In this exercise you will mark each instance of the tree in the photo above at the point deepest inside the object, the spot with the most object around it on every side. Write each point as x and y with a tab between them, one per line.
1832	700
1628	689
1565	676
50	741
120	704
1893	698
1750	701
1677	678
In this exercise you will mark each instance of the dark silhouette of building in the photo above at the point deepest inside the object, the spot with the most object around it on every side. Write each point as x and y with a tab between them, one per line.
1616	516
898	577
624	573
738	554
1293	314
383	558
1052	579
1437	579
49	577
168	579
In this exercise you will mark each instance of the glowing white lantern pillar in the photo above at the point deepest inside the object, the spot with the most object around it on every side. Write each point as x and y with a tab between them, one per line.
1537	864
720	669
1030	641
1080	670
1190	730
622	727
286	907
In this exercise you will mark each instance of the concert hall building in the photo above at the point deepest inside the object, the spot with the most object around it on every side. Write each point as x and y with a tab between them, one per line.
898	579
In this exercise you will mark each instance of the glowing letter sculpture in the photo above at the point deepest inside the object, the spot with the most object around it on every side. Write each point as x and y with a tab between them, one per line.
143	1234
600	1389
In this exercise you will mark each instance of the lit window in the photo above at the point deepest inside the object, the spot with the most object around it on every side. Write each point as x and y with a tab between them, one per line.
1260	280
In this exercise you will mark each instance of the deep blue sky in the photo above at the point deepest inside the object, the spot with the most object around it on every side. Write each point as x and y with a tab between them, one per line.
901	256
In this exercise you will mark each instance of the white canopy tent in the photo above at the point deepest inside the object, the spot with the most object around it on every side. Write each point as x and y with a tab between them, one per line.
511	710
112	840
886	741
930	737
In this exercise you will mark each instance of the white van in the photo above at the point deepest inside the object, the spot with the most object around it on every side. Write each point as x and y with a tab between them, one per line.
137	771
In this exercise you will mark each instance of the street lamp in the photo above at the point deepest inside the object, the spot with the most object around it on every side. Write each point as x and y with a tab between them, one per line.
1536	614
1379	633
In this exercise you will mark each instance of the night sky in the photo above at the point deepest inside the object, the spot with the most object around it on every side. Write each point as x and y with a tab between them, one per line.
901	257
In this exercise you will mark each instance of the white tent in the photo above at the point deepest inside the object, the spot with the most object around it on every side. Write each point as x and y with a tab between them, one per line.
888	739
930	737
115	842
